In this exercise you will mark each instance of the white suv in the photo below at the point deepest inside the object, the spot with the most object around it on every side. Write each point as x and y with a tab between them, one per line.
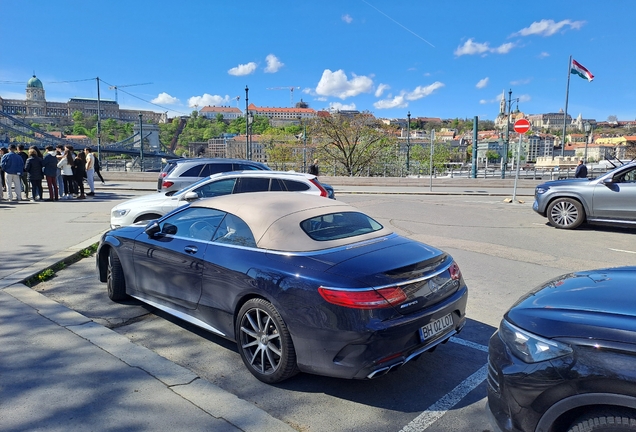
155	205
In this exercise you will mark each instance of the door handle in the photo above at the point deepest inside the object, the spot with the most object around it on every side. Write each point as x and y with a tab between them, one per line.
190	249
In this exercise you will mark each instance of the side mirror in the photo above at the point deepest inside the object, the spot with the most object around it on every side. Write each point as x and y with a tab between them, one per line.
608	181
152	229
191	196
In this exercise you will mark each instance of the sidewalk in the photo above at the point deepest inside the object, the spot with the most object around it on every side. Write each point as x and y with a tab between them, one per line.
59	371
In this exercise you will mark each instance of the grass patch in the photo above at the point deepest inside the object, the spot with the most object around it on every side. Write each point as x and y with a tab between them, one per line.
49	273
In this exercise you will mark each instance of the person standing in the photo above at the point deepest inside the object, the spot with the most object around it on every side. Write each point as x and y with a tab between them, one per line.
59	154
313	168
14	168
90	170
581	170
33	168
98	168
66	165
79	165
23	178
50	173
3	151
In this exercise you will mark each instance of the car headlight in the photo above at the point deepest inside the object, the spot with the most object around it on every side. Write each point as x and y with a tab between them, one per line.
120	212
529	347
541	190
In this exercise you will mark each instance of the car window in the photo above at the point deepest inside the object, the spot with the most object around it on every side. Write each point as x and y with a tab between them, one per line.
233	230
276	185
169	167
195	171
627	177
215	168
250	184
217	188
335	226
245	167
295	186
194	222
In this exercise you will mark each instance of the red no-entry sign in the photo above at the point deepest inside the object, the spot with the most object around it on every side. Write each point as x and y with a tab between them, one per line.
522	126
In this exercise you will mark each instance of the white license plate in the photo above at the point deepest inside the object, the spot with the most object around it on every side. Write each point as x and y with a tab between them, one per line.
436	327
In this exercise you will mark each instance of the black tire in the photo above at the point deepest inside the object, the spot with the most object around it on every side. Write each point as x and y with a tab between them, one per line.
566	213
610	421
264	342
115	280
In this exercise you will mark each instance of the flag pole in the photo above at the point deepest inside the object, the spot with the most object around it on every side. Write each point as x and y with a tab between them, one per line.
565	114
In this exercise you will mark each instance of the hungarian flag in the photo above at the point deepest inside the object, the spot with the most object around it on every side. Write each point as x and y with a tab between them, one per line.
579	69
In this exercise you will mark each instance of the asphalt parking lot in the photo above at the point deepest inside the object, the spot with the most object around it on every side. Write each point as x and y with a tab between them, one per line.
503	251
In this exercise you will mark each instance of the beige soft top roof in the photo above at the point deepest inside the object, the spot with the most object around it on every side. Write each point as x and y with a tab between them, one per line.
275	217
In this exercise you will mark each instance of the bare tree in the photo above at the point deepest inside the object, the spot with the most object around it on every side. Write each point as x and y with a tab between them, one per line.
355	141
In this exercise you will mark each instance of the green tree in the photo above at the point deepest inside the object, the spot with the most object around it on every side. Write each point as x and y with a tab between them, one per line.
353	141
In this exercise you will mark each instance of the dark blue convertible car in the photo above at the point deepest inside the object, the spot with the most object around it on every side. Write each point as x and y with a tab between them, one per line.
301	283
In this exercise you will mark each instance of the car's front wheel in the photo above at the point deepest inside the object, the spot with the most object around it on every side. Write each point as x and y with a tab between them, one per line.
618	421
264	342
115	280
566	213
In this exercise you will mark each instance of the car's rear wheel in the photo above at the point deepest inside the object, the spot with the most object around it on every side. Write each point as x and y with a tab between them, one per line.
566	213
115	280
612	421
264	342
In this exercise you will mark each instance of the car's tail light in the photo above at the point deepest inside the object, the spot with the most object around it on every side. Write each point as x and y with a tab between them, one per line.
167	184
455	273
366	299
163	174
323	191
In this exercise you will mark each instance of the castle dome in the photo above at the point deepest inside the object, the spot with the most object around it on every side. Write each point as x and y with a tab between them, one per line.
34	82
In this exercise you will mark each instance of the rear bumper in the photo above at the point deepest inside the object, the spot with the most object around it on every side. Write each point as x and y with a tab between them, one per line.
391	344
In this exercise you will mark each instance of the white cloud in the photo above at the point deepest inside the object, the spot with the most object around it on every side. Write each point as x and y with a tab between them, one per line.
548	27
482	83
396	102
206	99
401	101
165	99
273	64
347	18
336	84
521	81
471	47
524	98
380	90
544	55
337	106
243	69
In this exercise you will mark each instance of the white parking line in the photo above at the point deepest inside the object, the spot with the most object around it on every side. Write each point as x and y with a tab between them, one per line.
448	401
621	250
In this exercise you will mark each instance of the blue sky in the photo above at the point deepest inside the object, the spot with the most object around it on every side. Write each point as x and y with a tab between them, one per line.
433	59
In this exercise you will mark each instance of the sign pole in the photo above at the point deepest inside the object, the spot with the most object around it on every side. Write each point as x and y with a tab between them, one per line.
521	126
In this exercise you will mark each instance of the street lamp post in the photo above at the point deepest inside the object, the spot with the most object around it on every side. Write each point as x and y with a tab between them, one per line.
408	143
141	143
506	144
247	125
588	128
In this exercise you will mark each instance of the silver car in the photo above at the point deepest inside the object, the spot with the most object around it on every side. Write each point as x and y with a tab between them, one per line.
155	205
607	199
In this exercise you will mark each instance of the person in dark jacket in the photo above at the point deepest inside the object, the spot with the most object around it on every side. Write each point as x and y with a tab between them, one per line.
581	170
50	173
23	177
313	168
33	169
13	168
79	171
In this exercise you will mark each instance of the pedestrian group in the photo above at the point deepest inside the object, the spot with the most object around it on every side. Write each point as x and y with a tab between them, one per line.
63	169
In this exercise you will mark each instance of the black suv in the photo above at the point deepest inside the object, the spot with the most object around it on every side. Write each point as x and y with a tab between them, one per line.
179	173
564	357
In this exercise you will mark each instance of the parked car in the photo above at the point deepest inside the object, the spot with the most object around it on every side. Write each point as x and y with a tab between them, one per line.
155	205
301	283
179	173
607	199
564	357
